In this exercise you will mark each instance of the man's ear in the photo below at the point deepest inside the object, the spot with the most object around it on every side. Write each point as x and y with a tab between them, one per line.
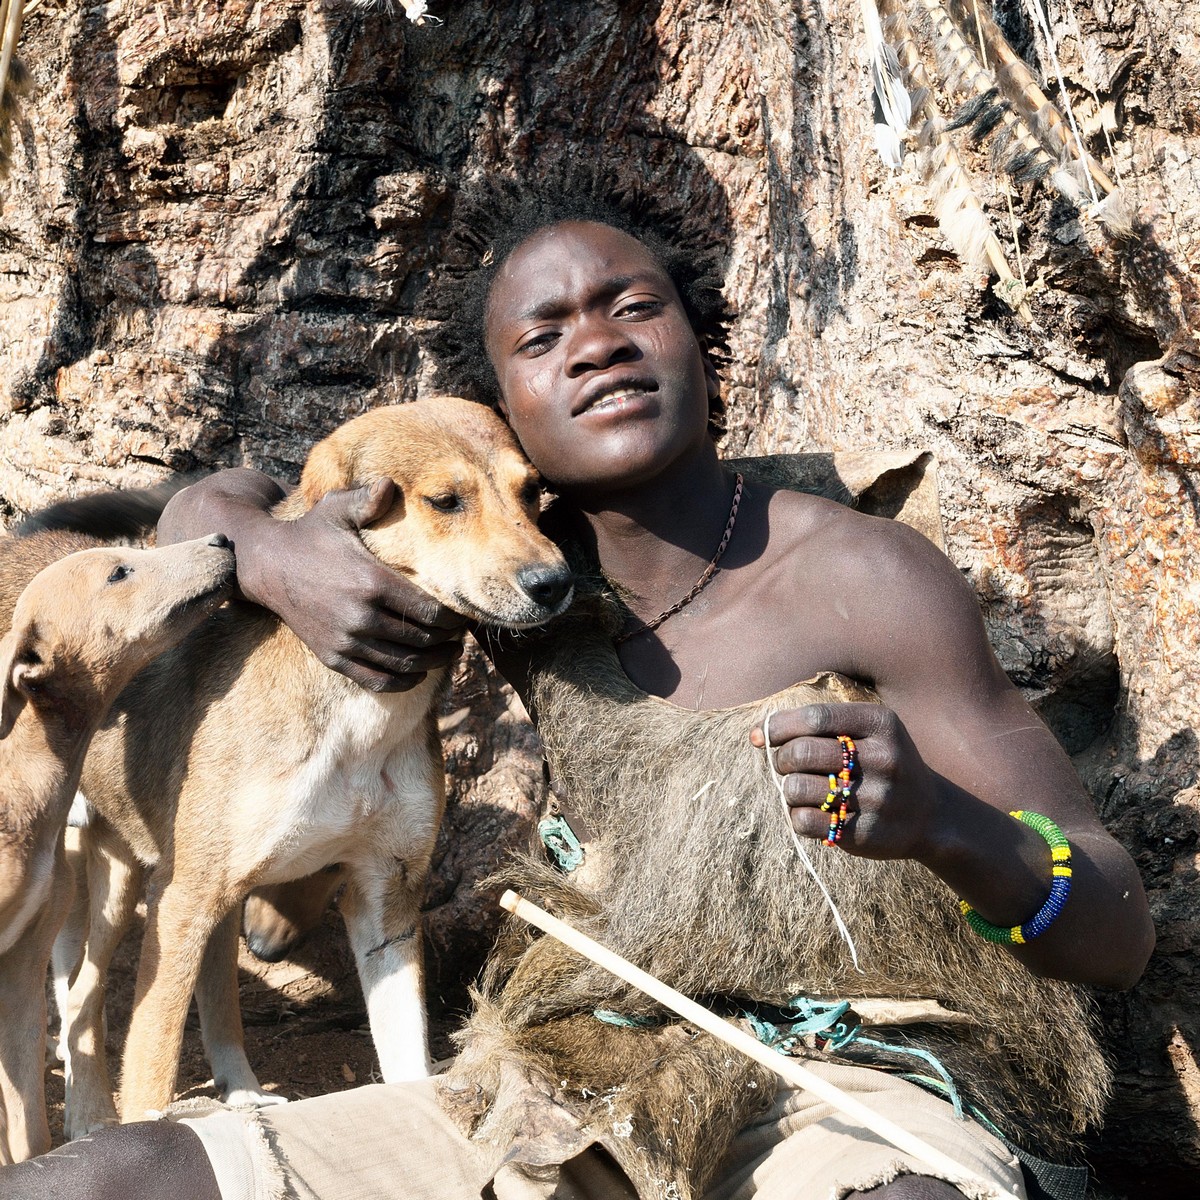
15	677
712	382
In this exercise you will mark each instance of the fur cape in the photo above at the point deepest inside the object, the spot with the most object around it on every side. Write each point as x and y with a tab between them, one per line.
692	875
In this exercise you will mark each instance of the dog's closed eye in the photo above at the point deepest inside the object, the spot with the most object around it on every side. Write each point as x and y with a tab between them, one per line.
445	502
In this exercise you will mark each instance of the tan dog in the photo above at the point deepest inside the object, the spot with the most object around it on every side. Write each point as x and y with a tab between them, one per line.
80	631
239	760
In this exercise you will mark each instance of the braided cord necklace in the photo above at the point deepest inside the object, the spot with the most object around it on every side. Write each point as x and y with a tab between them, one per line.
701	583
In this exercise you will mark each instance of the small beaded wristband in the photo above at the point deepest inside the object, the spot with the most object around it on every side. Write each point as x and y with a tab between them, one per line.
1060	888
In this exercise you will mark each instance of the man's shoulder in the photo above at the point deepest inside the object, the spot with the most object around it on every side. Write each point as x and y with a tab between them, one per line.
847	532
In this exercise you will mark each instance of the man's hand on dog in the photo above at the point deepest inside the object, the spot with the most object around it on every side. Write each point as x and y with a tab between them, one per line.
357	617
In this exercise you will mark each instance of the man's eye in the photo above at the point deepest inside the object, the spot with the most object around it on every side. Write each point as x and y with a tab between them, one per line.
538	344
445	502
640	308
119	573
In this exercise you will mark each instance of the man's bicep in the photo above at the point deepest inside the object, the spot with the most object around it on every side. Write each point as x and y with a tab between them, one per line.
938	672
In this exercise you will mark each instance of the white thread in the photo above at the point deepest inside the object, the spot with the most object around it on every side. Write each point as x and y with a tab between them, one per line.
777	778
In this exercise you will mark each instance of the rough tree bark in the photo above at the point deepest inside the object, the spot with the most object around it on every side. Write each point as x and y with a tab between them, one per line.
221	214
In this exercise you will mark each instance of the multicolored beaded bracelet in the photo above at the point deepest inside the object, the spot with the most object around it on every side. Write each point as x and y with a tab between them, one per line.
1060	888
839	788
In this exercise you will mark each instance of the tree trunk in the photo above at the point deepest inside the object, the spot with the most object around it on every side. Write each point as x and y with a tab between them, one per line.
221	213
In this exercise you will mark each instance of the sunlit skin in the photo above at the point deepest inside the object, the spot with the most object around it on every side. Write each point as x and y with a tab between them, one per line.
608	388
600	373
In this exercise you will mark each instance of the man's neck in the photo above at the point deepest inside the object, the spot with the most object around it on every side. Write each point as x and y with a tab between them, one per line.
659	536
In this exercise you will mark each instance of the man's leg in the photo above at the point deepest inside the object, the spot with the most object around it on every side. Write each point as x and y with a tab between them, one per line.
804	1149
911	1187
150	1160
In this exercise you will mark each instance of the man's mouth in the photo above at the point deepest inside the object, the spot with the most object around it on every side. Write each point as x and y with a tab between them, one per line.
618	396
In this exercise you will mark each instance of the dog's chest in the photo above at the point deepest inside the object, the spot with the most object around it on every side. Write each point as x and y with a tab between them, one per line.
371	774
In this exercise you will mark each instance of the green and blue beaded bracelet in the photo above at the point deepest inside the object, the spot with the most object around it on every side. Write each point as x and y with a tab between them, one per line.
1060	888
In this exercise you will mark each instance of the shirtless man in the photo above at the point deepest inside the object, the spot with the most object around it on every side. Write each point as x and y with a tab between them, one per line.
602	374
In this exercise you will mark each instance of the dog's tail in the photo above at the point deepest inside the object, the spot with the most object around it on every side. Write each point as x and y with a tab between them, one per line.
123	513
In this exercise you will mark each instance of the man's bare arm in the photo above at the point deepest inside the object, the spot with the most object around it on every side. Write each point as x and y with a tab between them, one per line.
356	615
951	751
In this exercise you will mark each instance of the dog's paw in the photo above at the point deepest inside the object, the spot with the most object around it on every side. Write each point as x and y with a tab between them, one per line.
252	1098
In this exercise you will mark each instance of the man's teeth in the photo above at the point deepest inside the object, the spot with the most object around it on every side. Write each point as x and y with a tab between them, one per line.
615	399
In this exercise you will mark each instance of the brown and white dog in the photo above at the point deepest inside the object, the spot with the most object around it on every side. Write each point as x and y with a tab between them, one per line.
81	629
239	760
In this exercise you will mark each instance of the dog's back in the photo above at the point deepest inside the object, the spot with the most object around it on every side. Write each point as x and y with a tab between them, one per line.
22	558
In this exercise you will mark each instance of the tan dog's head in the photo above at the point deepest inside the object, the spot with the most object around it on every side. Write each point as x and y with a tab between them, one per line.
88	623
464	524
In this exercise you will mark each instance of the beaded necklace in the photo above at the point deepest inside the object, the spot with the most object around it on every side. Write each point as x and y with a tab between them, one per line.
701	583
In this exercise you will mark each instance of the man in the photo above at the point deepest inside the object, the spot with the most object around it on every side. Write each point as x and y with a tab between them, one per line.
600	344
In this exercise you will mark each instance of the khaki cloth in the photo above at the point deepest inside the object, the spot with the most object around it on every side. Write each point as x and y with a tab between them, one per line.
394	1142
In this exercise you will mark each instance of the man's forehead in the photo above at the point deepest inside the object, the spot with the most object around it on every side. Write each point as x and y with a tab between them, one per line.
592	244
557	260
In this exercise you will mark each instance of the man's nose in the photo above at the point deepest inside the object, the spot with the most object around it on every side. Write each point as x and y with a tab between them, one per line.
596	345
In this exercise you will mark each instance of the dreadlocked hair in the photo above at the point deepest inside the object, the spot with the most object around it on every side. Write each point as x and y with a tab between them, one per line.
494	215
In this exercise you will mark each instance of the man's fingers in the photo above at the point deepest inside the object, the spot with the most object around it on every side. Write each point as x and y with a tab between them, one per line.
373	680
405	606
810	823
815	755
412	631
856	719
401	660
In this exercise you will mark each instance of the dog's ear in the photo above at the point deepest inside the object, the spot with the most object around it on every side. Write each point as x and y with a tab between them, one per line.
21	669
12	699
330	468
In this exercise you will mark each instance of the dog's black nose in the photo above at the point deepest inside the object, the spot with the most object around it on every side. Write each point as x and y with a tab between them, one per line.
220	541
544	585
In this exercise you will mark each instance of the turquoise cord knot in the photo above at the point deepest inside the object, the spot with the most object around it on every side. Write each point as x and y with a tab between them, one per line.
824	1018
559	838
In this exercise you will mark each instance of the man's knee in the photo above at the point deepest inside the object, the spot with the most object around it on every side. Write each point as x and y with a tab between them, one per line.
144	1161
910	1187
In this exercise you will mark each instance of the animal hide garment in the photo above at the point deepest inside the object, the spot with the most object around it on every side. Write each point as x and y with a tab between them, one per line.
693	876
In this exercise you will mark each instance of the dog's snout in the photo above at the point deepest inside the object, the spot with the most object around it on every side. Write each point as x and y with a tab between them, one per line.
546	586
220	541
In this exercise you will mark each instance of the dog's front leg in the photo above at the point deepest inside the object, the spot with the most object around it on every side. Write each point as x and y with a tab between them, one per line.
221	1020
181	915
24	1131
382	909
114	886
68	949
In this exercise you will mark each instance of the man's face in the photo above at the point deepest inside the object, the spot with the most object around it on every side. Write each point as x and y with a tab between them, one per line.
601	375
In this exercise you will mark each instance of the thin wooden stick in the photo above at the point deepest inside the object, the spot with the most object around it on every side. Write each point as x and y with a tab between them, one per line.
10	29
789	1068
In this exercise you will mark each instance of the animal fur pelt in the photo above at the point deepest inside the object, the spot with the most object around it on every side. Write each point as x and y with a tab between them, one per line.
693	877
